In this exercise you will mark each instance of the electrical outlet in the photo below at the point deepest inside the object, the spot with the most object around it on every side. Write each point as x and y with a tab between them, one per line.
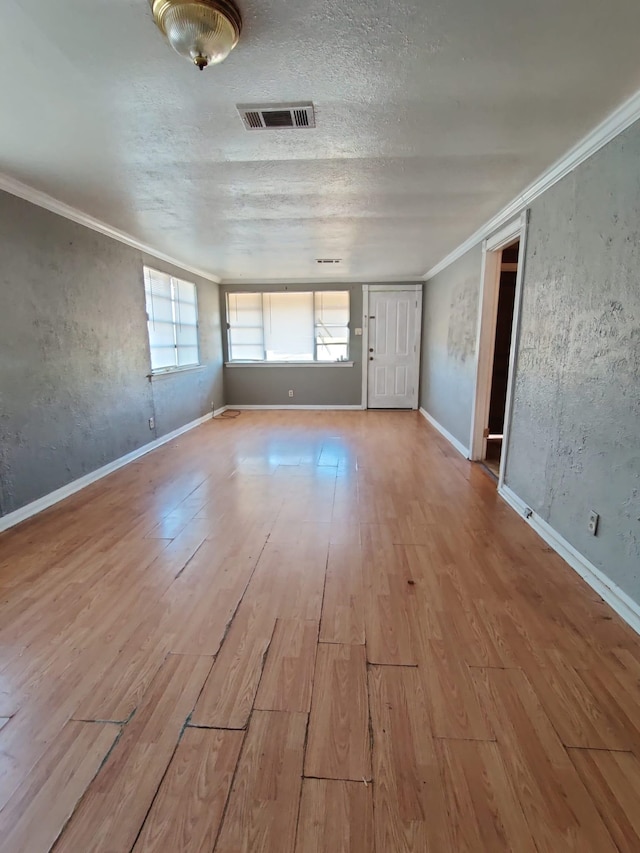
594	518
152	423
291	392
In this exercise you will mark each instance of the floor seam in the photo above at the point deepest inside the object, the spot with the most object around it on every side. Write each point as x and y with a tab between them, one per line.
362	781
84	793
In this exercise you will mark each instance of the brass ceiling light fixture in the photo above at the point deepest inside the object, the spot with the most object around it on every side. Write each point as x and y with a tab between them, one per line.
203	31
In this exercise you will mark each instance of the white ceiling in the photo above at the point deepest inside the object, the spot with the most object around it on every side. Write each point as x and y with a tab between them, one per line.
432	114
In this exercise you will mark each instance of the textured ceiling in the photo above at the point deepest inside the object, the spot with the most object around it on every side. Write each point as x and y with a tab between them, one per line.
432	114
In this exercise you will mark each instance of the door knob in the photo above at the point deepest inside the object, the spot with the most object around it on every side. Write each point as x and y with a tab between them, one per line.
370	358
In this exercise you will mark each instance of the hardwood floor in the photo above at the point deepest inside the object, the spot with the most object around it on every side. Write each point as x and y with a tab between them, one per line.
308	632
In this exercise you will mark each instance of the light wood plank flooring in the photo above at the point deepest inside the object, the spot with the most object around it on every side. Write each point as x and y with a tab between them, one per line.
308	632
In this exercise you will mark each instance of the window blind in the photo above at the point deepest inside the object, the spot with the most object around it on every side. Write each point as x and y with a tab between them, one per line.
332	325
172	320
288	326
244	319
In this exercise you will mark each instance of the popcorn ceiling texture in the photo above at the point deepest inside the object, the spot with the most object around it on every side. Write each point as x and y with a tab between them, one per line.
432	115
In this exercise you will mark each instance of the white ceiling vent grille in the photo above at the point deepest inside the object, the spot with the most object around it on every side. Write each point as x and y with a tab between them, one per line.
277	116
328	260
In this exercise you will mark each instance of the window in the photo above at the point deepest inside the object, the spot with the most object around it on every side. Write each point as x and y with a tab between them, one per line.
332	325
289	326
244	321
172	320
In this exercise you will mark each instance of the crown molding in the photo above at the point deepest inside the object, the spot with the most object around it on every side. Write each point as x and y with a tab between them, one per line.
14	187
619	120
344	279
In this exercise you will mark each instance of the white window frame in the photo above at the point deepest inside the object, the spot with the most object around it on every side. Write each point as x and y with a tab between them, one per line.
271	363
174	283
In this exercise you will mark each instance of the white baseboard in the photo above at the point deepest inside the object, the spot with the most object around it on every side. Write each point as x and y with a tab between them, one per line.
615	597
284	407
220	411
459	446
515	502
13	518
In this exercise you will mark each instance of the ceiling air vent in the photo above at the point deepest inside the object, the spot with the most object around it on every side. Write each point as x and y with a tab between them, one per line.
328	260
277	116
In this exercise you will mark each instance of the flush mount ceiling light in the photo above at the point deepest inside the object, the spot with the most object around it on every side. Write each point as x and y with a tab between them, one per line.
203	31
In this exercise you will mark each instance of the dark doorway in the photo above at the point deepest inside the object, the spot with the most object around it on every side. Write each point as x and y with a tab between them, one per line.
501	355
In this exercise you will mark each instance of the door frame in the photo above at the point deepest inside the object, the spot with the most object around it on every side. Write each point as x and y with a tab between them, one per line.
486	335
366	290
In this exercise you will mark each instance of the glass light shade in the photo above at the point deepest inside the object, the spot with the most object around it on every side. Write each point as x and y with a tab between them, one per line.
203	31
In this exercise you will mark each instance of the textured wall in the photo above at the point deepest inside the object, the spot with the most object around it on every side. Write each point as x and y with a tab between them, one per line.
575	438
313	386
449	329
74	355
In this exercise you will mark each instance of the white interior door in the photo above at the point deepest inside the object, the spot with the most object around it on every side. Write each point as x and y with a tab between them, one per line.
394	347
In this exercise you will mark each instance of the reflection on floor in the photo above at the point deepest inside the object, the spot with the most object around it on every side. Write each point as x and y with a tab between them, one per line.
308	632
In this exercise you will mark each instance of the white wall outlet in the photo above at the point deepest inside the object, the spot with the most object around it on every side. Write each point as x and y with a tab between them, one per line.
594	518
152	423
357	331
291	392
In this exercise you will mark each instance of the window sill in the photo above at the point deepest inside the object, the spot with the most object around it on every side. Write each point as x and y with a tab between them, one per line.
288	364
162	374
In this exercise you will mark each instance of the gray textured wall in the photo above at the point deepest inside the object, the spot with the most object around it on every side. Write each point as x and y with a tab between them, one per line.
74	354
575	437
449	330
313	386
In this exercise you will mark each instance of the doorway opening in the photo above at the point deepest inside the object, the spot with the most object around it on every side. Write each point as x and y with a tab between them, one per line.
494	431
497	344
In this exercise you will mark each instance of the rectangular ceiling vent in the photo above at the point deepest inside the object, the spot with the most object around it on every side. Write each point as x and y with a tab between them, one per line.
328	260
277	116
